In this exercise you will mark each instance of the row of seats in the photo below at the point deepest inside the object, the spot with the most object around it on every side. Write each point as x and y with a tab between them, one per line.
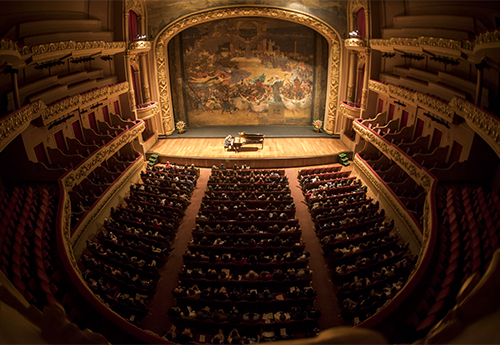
369	262
245	268
28	253
88	192
121	263
468	218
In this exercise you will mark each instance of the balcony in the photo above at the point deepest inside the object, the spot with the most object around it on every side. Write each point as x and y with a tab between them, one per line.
349	111
138	47
355	44
148	111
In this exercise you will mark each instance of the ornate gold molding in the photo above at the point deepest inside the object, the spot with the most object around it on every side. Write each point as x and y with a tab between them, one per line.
62	107
149	111
440	42
95	160
377	86
395	203
134	5
39	49
15	123
58	109
443	110
237	12
415	171
355	44
350	112
139	46
484	124
103	201
401	93
487	37
119	88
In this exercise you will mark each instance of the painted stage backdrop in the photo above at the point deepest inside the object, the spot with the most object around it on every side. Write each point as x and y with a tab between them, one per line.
251	71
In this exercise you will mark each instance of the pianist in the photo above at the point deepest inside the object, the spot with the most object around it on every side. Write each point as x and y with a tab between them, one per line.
229	142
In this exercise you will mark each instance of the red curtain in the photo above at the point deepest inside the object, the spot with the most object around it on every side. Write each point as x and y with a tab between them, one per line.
41	155
361	23
105	114
78	131
93	123
61	144
132	26
117	107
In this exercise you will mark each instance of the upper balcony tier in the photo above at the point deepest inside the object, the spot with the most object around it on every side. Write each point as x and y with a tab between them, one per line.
20	56
13	124
474	50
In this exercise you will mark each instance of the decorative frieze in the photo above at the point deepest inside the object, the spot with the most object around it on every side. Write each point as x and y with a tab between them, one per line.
58	109
348	111
415	171
438	107
354	44
484	124
149	111
401	93
118	89
104	153
139	46
377	86
16	122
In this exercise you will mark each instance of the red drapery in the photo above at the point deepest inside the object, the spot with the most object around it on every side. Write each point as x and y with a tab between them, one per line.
361	23
132	26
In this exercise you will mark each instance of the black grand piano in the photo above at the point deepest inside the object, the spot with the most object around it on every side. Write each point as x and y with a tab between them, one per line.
247	139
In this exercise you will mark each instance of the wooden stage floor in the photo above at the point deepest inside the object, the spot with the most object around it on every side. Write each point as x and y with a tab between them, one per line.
277	152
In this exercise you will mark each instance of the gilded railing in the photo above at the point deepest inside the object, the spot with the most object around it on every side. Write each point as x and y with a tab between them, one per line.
419	174
349	111
428	242
15	123
149	111
65	245
26	51
482	122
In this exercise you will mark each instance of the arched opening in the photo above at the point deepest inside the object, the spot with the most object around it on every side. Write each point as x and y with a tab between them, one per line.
274	73
164	80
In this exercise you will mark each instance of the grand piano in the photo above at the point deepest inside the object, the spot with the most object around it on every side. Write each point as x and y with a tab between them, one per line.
248	139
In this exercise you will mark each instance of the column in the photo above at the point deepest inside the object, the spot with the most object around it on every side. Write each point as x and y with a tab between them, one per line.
366	81
131	94
137	75
351	84
146	95
126	29
479	84
15	88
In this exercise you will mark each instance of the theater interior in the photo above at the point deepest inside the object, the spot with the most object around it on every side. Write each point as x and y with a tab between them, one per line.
356	201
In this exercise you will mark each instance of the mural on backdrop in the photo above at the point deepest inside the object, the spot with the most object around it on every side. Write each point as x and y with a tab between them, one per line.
248	72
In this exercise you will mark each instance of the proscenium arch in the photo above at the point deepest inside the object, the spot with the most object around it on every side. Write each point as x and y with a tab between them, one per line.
171	30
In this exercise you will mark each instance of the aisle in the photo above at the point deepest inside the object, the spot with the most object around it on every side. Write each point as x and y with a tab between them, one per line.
157	319
326	301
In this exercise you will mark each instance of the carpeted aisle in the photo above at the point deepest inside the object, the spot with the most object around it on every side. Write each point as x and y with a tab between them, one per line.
157	319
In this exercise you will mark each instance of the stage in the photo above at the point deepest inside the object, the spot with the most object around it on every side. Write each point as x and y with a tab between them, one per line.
307	149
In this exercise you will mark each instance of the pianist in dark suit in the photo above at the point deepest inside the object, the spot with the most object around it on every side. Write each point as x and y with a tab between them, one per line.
229	142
